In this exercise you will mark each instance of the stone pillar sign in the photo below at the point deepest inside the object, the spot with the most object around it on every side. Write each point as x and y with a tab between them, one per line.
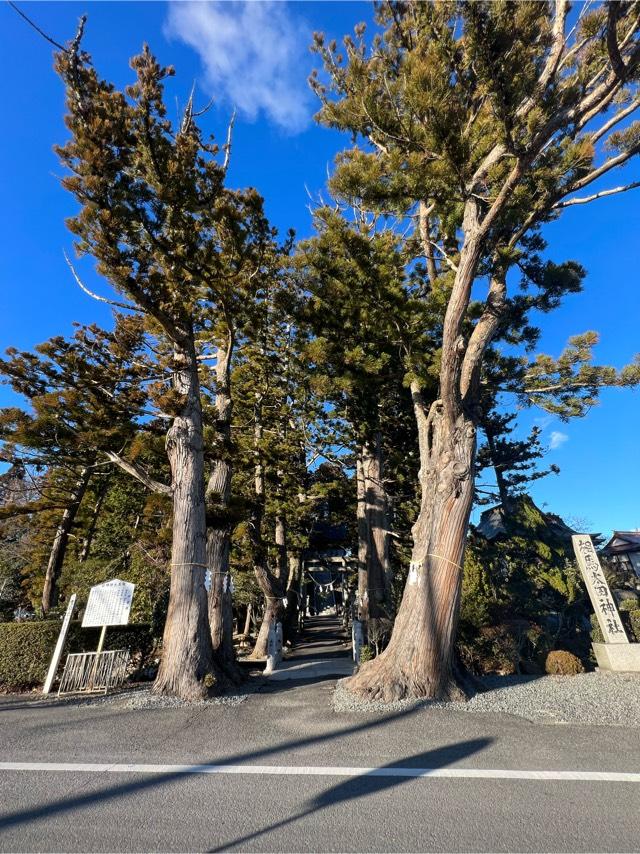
601	598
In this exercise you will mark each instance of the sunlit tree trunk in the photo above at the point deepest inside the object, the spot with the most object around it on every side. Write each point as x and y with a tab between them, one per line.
378	567
187	668
270	584
293	597
219	525
363	539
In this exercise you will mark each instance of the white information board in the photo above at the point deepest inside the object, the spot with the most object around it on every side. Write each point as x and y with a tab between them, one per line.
599	593
109	604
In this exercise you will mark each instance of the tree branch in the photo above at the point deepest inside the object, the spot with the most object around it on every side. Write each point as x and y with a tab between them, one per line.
227	146
84	288
619	116
609	164
140	474
585	199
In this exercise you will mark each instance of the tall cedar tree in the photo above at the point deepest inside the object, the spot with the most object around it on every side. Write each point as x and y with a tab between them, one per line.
488	117
156	216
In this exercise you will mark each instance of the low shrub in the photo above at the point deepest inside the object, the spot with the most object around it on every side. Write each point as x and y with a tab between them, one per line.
630	619
633	618
366	654
596	631
629	604
491	649
563	663
26	648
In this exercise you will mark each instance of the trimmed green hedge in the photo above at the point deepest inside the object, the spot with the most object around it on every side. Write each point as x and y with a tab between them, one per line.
26	648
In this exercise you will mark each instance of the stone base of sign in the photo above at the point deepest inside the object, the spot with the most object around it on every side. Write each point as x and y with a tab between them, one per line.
619	657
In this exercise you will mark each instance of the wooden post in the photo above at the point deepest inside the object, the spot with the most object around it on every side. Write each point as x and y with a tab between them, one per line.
96	662
101	641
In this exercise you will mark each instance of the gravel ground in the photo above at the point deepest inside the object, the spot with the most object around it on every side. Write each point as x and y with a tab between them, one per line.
610	699
142	698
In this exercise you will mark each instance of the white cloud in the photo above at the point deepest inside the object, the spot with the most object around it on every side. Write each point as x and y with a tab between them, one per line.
254	56
557	439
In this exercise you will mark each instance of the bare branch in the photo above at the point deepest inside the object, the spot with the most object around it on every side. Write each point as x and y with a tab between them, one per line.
227	145
140	474
447	258
37	28
607	166
585	199
96	296
425	236
619	116
553	60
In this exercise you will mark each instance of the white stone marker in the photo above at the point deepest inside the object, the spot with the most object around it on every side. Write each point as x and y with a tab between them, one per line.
601	598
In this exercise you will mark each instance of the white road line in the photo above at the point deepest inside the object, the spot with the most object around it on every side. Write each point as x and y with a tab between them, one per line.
327	771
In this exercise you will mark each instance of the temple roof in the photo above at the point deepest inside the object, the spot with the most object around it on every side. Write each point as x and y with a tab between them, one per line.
622	541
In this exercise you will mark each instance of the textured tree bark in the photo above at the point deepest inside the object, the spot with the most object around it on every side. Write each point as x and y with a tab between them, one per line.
271	586
281	548
418	659
363	540
187	668
378	567
60	541
293	598
247	622
219	524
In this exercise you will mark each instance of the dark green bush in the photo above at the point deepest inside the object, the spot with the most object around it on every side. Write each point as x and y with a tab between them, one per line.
26	648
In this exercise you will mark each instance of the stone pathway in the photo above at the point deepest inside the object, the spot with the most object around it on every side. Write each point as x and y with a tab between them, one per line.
324	651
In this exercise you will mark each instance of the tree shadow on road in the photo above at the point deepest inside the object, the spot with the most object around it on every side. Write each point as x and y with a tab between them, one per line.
80	800
372	782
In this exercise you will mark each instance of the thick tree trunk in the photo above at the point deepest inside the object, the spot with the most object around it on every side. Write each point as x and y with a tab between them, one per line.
221	601
271	586
281	548
219	523
247	622
187	668
363	540
378	567
293	598
418	659
273	613
60	541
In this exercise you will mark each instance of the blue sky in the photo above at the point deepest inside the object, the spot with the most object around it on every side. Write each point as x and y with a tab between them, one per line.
255	57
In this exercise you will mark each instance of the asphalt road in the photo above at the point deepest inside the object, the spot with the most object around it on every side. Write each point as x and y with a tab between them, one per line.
308	804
